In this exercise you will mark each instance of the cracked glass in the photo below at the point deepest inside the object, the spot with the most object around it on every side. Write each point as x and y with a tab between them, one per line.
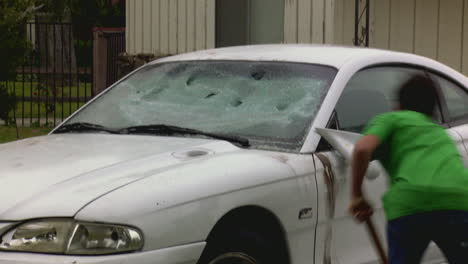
272	104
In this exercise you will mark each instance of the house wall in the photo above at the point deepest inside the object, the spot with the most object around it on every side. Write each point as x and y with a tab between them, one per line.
241	22
309	21
177	26
169	26
434	28
266	25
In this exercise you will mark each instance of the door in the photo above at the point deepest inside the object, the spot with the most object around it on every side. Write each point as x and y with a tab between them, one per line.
243	22
266	21
231	23
369	92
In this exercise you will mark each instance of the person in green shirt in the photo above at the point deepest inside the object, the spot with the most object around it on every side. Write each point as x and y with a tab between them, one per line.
428	195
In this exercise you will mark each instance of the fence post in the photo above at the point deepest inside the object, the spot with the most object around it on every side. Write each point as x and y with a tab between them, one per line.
100	57
99	61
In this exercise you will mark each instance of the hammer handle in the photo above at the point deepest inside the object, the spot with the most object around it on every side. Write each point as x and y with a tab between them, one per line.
376	240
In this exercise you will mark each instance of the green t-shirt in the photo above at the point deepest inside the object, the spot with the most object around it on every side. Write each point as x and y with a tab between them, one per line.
425	167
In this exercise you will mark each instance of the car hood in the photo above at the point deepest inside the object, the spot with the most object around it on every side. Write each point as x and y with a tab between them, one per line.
57	175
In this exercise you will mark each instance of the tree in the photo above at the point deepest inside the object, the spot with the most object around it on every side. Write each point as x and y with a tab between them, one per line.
14	13
13	46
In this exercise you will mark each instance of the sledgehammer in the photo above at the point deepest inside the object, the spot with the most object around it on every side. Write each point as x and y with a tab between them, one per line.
376	241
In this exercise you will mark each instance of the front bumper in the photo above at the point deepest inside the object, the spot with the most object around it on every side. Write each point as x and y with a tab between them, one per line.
186	254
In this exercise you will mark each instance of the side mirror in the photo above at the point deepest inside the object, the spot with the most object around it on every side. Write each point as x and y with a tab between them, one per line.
344	142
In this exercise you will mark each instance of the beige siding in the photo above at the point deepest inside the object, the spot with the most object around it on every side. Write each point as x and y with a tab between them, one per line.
127	22
139	26
182	26
147	25
200	24
402	25
318	20
450	33
173	26
163	26
338	25
306	21
465	38
155	42
329	21
434	28
348	22
169	26
380	32
290	21
131	26
191	33
427	28
210	23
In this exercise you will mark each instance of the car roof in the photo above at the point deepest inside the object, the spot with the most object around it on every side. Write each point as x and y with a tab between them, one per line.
335	56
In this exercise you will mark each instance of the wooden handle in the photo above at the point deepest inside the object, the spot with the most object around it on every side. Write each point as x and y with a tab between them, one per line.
377	242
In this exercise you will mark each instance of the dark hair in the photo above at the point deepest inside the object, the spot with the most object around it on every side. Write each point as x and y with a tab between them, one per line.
418	94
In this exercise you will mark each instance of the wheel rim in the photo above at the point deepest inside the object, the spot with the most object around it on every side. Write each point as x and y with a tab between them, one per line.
234	258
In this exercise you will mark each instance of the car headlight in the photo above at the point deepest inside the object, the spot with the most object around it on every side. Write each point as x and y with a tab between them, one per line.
70	237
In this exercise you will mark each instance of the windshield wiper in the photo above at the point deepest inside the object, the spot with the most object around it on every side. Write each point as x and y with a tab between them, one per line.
83	127
159	129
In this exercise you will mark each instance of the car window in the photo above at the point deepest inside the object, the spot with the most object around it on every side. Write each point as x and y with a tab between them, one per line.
370	92
456	98
270	103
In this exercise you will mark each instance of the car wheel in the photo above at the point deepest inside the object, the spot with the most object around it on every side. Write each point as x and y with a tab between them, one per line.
234	258
240	247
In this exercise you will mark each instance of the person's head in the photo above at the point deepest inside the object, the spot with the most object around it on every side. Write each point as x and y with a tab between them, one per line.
418	94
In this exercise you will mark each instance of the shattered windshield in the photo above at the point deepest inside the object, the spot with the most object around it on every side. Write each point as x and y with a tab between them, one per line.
272	104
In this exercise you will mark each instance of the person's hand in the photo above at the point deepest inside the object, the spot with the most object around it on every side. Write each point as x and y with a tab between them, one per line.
360	209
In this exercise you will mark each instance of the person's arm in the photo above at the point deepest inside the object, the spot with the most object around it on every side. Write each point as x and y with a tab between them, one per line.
362	155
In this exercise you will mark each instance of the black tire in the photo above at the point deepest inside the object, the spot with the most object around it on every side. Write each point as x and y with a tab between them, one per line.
240	247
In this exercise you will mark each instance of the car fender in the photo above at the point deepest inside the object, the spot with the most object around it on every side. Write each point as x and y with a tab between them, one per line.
183	204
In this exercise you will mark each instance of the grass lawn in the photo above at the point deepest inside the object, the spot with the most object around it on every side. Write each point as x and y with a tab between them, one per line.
9	133
61	109
36	110
84	89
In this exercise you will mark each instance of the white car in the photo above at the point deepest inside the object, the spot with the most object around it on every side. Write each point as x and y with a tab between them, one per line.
214	157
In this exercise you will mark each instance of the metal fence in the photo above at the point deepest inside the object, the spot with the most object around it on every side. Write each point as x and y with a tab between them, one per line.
56	78
115	46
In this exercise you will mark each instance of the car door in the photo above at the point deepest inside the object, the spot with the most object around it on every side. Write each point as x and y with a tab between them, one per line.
369	92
